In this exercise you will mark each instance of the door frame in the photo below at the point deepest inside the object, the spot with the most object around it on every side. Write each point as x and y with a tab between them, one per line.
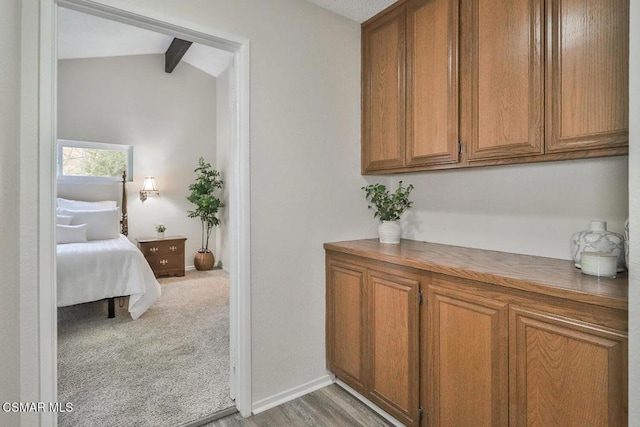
239	191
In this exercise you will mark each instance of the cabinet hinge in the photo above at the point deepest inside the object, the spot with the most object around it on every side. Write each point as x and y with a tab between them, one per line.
419	297
420	413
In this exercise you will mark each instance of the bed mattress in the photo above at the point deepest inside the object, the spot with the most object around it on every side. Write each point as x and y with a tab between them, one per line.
102	269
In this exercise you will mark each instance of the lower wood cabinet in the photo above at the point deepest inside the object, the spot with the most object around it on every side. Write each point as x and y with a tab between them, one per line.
373	335
345	323
393	343
565	372
468	358
433	349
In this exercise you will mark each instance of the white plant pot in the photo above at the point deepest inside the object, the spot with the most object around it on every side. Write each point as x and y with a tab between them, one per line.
389	232
160	234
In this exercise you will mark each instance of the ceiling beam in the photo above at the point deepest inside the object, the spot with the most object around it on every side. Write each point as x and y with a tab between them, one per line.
174	54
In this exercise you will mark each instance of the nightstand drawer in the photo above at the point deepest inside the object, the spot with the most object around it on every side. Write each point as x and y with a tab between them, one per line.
166	264
162	247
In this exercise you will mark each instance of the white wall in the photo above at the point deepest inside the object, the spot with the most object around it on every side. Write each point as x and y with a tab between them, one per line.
530	209
9	206
170	119
634	211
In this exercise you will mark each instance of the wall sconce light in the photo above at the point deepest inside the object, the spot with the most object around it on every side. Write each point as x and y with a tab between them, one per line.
149	188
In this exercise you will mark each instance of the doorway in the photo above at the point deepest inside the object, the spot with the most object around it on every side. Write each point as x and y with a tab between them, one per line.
238	200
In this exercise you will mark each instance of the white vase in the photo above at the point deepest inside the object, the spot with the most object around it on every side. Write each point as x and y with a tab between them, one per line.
598	239
389	232
160	234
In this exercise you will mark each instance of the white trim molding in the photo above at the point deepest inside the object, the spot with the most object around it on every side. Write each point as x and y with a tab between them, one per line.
293	393
239	190
370	404
46	184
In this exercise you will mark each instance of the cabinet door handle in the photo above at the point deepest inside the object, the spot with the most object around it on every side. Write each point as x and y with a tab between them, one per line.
154	249
173	248
164	262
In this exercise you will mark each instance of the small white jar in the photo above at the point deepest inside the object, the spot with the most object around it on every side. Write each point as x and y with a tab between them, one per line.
600	264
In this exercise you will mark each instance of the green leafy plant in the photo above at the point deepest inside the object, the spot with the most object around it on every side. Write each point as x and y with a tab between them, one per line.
388	206
160	227
207	205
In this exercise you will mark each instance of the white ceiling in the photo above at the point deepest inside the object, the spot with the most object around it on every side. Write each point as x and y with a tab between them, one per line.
357	10
86	36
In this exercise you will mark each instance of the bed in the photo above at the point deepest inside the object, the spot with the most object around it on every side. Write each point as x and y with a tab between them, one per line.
96	260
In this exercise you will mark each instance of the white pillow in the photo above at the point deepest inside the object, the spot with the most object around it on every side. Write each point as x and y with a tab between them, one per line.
80	205
71	233
63	220
101	225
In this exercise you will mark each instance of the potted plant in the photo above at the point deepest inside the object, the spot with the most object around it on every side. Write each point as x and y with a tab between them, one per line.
160	229
207	206
389	207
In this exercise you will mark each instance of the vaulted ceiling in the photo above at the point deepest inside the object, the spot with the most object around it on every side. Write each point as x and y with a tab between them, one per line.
86	36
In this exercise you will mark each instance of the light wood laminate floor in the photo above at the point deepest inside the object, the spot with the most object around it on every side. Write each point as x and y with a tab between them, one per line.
328	407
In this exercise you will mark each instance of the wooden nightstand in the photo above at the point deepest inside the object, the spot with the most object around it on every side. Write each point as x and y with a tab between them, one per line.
165	256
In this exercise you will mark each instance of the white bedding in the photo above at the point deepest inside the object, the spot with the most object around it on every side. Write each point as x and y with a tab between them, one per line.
102	269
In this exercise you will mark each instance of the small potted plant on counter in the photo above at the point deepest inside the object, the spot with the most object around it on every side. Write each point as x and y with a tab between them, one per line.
389	207
207	206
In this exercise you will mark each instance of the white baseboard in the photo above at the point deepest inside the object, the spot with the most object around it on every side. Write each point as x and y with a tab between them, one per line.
293	393
370	404
193	268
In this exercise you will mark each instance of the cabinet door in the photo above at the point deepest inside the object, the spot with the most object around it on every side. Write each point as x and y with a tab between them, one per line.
383	92
468	358
507	81
588	61
394	344
565	372
432	82
346	339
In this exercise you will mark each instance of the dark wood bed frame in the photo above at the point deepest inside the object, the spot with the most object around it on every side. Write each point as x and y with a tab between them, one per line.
124	229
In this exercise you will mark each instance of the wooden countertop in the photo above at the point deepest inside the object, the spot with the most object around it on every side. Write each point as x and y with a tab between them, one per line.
548	276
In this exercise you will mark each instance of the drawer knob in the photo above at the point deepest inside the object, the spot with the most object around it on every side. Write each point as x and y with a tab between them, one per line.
154	249
164	262
173	248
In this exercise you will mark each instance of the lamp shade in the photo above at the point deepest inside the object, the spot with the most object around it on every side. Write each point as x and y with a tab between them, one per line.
149	184
148	188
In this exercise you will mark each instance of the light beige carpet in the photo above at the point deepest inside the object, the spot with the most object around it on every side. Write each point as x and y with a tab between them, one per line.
169	367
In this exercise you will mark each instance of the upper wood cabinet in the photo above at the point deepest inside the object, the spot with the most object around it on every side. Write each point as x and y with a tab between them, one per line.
432	82
588	68
488	82
507	78
383	92
410	86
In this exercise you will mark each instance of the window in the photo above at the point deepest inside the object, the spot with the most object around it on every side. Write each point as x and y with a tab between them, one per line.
94	161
